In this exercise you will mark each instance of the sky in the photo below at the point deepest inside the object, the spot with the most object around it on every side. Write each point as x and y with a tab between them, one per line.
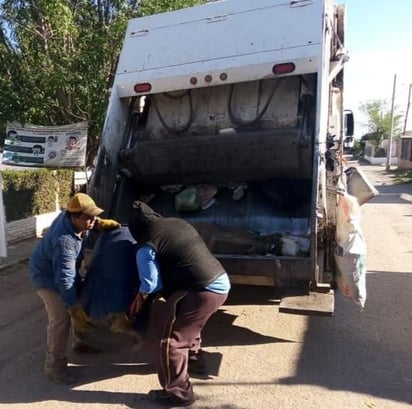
379	43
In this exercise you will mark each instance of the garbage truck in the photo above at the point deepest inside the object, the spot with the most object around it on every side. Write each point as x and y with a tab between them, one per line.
230	115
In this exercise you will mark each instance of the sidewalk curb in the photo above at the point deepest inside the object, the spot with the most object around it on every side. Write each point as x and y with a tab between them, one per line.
12	263
18	252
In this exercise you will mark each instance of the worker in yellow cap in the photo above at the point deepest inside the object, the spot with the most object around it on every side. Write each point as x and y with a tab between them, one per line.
54	272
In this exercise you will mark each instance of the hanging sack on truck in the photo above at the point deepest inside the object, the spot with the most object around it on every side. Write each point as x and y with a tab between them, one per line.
350	252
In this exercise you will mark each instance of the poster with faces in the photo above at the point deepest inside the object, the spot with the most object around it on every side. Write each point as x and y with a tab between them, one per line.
46	146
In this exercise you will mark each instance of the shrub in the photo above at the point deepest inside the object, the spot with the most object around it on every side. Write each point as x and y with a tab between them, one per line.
357	148
28	193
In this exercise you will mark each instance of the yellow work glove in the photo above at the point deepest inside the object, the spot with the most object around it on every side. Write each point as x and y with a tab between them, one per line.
80	320
106	224
119	323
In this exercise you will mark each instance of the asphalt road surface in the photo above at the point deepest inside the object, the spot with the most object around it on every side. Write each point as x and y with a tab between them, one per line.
258	358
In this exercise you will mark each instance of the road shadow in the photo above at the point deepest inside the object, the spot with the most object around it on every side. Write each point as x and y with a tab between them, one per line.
388	186
24	381
241	294
367	351
401	194
220	331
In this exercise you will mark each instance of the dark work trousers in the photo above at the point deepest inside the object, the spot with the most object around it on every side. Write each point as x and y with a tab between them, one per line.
177	329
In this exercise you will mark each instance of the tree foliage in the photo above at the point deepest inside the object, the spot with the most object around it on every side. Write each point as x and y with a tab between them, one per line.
58	58
379	120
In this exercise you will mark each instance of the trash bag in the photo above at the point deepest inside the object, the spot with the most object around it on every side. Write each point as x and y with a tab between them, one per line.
350	252
359	185
110	285
112	277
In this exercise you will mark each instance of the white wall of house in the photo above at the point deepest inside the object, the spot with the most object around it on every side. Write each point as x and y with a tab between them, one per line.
370	153
28	228
405	157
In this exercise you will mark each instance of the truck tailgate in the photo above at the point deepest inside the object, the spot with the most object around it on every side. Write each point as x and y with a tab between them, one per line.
288	32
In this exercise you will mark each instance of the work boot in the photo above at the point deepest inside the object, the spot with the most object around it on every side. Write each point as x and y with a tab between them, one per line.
160	396
60	375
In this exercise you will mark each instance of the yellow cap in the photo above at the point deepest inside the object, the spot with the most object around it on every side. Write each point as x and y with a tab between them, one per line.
82	203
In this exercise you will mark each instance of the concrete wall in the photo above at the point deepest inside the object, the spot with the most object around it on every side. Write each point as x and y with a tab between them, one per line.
405	164
405	160
35	226
373	160
28	228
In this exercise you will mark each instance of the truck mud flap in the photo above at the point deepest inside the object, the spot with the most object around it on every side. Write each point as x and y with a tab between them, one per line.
315	303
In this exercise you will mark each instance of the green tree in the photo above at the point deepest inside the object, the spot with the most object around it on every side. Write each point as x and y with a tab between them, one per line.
58	58
379	120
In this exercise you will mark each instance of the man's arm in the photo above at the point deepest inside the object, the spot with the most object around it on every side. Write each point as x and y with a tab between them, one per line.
150	279
64	267
65	260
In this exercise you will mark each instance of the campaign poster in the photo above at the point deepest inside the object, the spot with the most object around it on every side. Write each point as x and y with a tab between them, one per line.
46	146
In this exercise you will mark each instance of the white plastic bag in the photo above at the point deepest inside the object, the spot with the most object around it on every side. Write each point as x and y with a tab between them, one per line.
350	252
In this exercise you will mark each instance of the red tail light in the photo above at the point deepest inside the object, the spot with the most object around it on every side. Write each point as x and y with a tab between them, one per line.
142	88
285	68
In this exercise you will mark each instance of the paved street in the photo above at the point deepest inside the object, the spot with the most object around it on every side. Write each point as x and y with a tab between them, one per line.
258	358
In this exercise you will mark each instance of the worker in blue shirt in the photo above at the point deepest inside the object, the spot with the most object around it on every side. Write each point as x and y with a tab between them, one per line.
175	262
54	272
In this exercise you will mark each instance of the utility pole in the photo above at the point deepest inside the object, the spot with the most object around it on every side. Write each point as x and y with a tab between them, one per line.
407	109
389	152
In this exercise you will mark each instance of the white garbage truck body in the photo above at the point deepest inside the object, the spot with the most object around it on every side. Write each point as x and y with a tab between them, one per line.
230	115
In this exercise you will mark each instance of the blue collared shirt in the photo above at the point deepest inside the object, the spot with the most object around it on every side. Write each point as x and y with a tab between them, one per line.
151	281
55	260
